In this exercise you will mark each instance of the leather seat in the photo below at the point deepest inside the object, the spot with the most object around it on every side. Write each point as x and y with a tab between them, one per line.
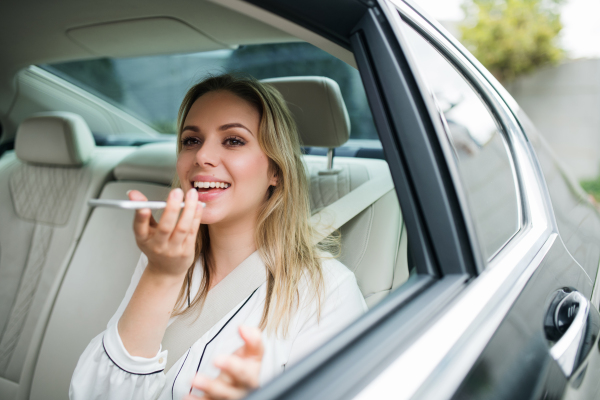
106	255
44	187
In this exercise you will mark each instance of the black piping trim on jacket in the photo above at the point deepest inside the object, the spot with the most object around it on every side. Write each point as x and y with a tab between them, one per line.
221	330
123	369
176	376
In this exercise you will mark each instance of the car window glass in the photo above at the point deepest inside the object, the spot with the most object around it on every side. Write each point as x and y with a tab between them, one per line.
151	88
479	147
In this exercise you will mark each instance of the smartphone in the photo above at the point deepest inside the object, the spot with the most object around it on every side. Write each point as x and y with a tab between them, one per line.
129	204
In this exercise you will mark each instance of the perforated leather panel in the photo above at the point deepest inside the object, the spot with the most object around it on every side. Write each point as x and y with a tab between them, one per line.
45	194
27	288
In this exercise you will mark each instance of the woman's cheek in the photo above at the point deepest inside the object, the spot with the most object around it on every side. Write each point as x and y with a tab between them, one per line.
251	168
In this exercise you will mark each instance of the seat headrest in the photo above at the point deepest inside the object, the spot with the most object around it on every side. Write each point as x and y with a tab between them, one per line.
56	138
318	107
155	163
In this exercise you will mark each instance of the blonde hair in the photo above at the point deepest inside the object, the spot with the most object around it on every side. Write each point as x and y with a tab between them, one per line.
284	235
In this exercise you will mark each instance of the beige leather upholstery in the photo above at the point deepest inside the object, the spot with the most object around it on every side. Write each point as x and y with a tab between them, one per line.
371	240
54	138
151	163
318	108
42	213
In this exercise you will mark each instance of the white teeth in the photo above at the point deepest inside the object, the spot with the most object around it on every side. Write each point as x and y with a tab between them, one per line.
206	185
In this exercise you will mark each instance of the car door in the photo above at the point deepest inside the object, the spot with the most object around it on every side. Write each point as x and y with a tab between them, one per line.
502	309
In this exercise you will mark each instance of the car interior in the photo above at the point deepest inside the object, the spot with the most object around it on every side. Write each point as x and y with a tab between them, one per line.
64	266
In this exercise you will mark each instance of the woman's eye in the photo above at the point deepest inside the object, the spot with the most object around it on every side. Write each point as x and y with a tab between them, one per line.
189	141
234	141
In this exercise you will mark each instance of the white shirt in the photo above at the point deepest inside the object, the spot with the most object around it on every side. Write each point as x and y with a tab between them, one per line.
107	371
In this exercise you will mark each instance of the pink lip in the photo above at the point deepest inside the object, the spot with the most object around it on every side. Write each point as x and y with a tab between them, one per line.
213	194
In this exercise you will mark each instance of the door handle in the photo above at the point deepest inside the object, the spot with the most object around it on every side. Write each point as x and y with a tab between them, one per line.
570	319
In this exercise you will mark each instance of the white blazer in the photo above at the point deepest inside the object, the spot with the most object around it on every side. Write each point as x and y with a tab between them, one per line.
106	370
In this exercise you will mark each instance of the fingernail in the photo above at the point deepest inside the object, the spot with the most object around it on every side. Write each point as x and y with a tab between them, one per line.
200	381
177	193
220	361
127	192
190	193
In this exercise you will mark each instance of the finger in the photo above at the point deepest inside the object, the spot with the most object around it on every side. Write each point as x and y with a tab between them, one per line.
190	240
170	215
217	389
142	219
153	222
182	229
243	372
253	346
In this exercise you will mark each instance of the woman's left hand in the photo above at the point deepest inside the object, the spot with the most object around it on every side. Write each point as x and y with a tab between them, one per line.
240	372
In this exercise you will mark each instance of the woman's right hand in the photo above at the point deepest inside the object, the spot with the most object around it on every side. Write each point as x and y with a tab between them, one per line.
169	244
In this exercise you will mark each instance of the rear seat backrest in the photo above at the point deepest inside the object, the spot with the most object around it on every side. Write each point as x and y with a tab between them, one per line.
44	185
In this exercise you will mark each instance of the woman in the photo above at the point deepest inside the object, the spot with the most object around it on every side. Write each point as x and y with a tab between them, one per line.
239	154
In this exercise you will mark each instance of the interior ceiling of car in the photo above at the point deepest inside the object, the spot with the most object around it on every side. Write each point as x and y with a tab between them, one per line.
60	30
45	32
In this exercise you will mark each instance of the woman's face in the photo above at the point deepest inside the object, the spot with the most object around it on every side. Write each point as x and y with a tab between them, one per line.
219	149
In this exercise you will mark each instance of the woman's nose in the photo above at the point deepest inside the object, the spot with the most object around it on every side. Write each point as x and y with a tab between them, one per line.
208	153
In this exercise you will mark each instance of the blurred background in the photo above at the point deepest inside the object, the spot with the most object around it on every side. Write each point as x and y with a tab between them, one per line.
547	54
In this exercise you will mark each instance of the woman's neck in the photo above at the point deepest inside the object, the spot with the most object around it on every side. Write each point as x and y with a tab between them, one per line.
229	246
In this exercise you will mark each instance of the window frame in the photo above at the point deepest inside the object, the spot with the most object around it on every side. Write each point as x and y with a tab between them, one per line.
505	128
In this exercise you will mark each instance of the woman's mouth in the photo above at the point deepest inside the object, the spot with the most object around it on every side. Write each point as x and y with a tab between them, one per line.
204	187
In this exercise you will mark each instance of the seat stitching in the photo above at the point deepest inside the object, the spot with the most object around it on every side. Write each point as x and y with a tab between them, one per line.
31	277
366	240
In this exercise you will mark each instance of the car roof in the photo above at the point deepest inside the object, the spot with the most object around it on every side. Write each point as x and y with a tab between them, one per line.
63	30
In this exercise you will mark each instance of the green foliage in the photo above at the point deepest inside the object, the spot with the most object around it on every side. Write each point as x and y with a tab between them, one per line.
592	186
512	37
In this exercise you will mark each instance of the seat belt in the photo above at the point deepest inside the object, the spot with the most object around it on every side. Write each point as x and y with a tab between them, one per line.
243	281
220	300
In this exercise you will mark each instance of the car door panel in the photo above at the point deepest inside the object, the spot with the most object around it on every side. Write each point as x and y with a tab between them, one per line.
517	363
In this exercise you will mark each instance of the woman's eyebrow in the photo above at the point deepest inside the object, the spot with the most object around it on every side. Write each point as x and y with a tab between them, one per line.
234	125
192	128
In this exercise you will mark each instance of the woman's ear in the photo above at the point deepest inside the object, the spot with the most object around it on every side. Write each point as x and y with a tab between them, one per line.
274	171
273	181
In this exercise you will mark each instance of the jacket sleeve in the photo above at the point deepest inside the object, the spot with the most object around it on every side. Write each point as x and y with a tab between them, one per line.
106	370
